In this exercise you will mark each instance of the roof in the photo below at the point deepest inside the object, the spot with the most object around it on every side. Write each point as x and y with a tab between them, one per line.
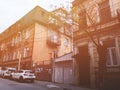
66	57
37	14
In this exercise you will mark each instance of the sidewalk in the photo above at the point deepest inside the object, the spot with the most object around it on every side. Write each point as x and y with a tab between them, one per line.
56	86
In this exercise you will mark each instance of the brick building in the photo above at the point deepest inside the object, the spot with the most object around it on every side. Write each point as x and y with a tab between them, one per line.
32	41
98	24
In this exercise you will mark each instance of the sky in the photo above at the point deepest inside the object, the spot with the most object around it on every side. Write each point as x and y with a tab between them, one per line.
12	10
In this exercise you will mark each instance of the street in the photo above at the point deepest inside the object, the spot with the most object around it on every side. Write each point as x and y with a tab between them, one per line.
6	84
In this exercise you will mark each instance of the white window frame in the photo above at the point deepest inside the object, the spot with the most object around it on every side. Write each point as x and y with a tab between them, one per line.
27	34
66	42
26	52
16	39
111	56
55	38
114	5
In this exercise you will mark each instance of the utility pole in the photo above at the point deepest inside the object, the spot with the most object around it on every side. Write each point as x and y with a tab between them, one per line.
20	56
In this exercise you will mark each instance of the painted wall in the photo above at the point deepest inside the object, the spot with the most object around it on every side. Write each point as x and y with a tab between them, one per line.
40	49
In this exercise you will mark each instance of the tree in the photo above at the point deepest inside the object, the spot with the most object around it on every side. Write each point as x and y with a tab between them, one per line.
60	18
83	18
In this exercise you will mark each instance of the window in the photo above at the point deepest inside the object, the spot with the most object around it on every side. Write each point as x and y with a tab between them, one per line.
4	58
2	46
7	57
16	39
55	38
114	5
11	56
111	56
13	40
27	34
26	52
55	54
62	30
82	19
105	13
14	55
20	36
66	41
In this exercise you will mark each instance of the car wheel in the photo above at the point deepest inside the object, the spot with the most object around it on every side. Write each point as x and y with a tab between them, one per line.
10	77
3	76
21	79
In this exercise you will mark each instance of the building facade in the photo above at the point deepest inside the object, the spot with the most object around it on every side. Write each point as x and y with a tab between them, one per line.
98	24
32	42
63	69
63	64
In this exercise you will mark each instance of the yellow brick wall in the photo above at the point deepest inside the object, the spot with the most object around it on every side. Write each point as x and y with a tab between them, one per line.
65	49
41	51
40	48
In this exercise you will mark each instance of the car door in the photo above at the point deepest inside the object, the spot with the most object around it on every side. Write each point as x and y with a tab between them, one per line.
15	75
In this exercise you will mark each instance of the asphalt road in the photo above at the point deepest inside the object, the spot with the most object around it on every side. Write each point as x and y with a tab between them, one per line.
6	84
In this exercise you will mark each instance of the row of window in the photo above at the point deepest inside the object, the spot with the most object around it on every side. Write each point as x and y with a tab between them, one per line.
17	39
15	55
112	52
102	12
20	37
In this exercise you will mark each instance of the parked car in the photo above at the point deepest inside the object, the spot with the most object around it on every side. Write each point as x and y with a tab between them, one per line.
6	72
23	75
0	71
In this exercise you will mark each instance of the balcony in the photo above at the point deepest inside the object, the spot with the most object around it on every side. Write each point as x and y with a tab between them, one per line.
112	25
53	41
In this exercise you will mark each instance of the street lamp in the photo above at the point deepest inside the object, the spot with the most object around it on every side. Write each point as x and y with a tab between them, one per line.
20	56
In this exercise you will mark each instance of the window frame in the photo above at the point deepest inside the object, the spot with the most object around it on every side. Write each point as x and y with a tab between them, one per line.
109	50
103	7
27	34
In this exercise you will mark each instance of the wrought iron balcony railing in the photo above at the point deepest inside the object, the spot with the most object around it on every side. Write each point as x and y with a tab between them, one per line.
53	42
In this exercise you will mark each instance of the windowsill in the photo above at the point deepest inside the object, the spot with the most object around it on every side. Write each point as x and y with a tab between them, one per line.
112	66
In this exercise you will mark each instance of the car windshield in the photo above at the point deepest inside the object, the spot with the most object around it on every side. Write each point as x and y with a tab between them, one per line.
11	70
28	71
20	71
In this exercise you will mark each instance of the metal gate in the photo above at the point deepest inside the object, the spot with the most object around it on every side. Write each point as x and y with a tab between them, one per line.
63	72
44	70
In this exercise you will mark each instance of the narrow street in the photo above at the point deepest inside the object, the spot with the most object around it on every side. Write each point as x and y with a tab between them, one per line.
6	84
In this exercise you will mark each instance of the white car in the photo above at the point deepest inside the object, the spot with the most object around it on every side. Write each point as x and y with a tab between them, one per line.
6	72
23	75
0	70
